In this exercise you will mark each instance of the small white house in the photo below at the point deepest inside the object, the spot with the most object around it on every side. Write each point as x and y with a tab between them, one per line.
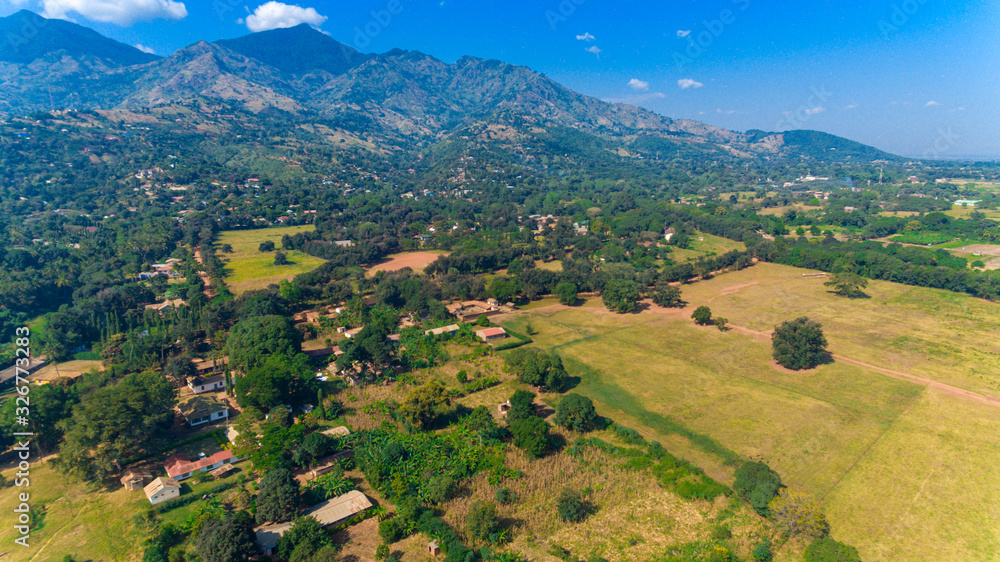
161	490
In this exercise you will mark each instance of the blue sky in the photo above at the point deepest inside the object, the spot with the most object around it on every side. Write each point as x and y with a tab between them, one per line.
915	77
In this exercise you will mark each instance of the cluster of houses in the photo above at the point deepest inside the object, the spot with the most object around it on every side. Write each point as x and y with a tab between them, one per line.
470	311
167	268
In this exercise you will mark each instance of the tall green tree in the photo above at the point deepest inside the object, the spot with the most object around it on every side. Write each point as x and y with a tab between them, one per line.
423	404
278	497
576	412
847	284
621	295
567	293
113	424
252	340
230	539
280	379
799	343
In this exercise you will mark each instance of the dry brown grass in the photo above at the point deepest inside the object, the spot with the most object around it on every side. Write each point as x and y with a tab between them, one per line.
635	519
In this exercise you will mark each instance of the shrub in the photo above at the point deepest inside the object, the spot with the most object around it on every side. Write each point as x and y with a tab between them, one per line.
382	552
482	521
762	552
392	530
825	549
505	496
757	484
531	435
462	376
572	507
439	489
798	514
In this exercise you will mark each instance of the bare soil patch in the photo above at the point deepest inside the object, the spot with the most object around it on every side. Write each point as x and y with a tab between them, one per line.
414	260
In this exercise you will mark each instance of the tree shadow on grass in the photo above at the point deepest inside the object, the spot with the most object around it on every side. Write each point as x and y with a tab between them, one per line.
859	295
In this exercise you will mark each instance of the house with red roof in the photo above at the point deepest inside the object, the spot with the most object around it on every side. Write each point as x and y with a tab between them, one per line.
180	467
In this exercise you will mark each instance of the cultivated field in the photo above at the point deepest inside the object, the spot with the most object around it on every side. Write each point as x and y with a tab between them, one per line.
889	436
416	261
249	269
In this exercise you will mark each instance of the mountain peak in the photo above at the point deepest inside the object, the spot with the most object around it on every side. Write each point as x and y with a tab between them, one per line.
297	50
27	36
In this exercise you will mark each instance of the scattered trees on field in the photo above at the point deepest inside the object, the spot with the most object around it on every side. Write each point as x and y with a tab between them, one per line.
621	295
667	295
847	284
702	316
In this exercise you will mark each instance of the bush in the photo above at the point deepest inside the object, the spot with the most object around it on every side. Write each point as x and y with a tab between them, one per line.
762	552
798	514
571	505
266	246
825	549
482	521
392	530
439	489
757	484
462	376
505	496
382	552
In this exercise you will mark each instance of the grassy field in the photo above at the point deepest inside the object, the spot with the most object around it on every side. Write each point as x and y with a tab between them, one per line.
703	245
904	471
249	269
88	524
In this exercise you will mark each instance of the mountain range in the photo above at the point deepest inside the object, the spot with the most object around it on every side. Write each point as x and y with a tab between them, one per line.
392	99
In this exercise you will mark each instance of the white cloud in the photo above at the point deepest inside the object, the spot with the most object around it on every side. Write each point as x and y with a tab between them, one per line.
931	103
815	110
145	49
275	15
721	112
586	37
686	83
681	33
120	12
595	50
850	106
638	85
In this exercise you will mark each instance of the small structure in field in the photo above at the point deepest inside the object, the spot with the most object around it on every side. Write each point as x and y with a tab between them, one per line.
491	334
161	490
449	329
135	479
433	548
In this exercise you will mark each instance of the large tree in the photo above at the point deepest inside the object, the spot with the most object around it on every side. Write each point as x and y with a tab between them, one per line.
567	293
757	484
531	435
576	412
252	340
280	379
621	295
799	343
667	295
482	521
848	284
230	539
278	496
302	540
115	423
422	405
538	368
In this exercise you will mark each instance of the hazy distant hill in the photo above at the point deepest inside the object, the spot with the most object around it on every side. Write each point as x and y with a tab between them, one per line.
391	99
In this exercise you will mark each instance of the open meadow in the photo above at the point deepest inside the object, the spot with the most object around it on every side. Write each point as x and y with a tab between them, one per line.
248	268
704	245
892	436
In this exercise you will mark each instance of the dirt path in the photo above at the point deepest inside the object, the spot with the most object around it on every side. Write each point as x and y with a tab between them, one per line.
205	279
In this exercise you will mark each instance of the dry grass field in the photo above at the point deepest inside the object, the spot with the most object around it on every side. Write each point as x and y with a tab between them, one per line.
905	468
250	269
416	261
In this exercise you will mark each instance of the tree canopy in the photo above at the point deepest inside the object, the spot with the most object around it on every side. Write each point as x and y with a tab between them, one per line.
280	379
230	539
277	497
621	295
252	340
576	412
799	343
